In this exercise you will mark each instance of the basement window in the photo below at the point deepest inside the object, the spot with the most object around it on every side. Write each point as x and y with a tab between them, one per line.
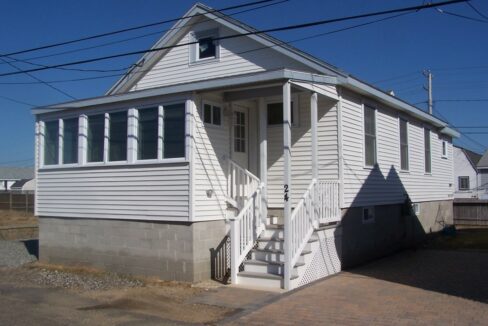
368	215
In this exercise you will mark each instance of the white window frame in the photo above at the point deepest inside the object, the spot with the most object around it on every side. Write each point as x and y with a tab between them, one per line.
430	150
416	208
83	142
295	105
195	36
371	106
212	105
372	213
407	123
459	183
444	150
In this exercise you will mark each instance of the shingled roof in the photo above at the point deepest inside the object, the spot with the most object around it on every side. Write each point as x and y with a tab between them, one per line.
483	162
16	173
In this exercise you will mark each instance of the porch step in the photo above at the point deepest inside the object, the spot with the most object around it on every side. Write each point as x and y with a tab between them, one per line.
262	279
273	255
277	243
261	266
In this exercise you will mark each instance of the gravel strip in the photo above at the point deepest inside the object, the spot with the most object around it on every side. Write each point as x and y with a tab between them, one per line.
85	282
14	254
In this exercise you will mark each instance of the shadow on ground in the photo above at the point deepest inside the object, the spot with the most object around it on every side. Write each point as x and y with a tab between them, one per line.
32	247
453	272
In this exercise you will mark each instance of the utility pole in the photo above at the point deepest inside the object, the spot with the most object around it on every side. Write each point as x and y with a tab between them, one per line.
428	74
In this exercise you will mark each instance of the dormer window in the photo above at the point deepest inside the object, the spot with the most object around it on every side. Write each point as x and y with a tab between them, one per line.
206	47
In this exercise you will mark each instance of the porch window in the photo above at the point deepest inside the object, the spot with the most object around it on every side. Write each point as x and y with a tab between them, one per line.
147	135
51	142
463	183
369	136
427	151
70	141
275	113
96	135
404	145
239	132
212	114
118	136
174	131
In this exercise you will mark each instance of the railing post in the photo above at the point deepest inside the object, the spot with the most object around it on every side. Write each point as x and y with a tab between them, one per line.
234	249
287	183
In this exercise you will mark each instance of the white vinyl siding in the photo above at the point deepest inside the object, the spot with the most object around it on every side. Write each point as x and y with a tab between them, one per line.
176	68
210	154
386	184
463	167
301	151
147	193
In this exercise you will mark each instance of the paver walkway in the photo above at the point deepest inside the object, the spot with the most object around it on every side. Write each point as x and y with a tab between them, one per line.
411	288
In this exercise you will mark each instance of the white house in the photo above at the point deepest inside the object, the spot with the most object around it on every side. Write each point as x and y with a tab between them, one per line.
483	176
11	174
306	168
466	175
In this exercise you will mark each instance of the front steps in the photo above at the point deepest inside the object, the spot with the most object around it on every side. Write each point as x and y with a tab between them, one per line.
265	268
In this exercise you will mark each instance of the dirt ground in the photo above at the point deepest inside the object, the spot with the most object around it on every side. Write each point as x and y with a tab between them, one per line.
13	217
148	302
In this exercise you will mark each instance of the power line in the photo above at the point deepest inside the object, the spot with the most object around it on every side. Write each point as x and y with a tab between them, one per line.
39	80
463	100
130	39
222	57
462	16
276	29
17	101
471	127
130	29
477	11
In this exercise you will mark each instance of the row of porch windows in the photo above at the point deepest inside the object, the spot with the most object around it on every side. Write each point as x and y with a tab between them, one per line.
153	125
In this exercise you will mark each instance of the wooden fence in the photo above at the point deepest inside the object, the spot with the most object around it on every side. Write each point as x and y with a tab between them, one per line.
471	212
20	201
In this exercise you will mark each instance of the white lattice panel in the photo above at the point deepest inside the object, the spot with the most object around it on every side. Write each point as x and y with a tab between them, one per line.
325	259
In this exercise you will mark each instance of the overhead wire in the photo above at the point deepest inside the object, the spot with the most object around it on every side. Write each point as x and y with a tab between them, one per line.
256	32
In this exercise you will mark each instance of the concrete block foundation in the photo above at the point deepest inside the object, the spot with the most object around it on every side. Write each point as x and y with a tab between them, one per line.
167	250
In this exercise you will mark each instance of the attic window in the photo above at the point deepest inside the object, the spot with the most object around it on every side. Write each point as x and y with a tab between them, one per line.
205	48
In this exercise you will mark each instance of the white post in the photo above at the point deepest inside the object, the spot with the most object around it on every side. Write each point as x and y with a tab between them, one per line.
234	247
340	150
132	126
263	155
313	117
106	138
60	140
82	139
287	181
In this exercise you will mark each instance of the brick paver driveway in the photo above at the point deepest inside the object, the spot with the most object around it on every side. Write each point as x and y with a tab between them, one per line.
425	287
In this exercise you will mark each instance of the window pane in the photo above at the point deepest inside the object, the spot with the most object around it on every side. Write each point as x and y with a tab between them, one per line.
96	133
51	141
403	145
70	141
369	136
207	113
147	138
206	48
174	135
428	167
216	115
275	113
118	137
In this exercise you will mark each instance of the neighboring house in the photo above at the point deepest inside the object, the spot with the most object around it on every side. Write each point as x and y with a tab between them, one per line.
466	176
483	175
245	135
11	174
24	185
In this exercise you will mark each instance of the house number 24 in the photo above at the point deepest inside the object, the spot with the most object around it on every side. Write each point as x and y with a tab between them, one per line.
286	190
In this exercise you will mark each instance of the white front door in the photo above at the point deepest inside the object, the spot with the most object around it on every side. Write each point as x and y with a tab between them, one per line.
239	135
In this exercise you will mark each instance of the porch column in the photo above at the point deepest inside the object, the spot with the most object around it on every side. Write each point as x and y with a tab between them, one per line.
263	154
313	119
287	181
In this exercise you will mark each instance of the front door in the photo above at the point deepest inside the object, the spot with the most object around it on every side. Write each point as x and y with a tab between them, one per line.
240	143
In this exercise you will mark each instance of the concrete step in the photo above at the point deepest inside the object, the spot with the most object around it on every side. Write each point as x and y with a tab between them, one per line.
277	268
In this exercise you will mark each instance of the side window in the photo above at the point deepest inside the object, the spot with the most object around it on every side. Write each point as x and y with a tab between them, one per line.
404	162
70	141
96	134
206	46
463	183
212	114
51	142
444	148
427	151
147	134
369	136
117	136
275	113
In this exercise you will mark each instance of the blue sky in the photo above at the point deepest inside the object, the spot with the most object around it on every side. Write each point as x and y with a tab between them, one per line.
389	54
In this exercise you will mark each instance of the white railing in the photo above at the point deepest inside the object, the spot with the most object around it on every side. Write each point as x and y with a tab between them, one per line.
319	204
245	230
241	183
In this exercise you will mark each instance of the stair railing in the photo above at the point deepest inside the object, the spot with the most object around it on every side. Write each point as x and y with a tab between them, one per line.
241	183
246	227
319	204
